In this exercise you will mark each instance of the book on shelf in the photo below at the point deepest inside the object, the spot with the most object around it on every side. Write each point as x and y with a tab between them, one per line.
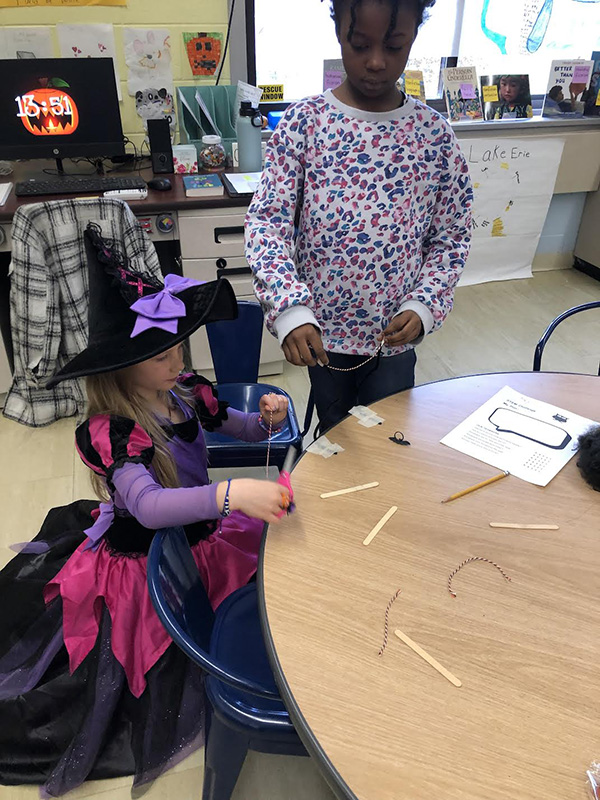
412	84
462	94
241	184
568	86
591	101
333	73
506	97
208	185
445	62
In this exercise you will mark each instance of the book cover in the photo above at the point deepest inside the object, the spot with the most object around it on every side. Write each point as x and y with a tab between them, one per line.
506	97
462	94
202	185
412	84
333	73
591	101
567	86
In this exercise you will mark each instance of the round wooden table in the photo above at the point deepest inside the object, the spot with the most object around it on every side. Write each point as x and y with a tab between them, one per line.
525	724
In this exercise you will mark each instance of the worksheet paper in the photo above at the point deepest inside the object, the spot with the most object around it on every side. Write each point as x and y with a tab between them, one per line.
530	439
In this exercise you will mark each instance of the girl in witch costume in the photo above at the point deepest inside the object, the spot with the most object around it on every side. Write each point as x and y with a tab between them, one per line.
91	685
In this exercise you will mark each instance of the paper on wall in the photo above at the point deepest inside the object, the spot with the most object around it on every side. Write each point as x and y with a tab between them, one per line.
26	43
89	41
62	3
513	182
149	77
148	58
203	51
530	439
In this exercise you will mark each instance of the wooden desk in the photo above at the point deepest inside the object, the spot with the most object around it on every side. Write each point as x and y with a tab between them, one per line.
526	724
171	200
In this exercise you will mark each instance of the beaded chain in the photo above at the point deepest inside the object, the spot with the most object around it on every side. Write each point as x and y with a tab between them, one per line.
386	624
269	440
468	561
357	366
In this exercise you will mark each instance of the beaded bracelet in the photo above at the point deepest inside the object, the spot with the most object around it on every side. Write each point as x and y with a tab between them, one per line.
226	509
262	424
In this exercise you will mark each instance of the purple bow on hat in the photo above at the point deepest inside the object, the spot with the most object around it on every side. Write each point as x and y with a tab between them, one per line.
162	309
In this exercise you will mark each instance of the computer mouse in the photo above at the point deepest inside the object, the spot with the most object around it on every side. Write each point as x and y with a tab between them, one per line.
160	184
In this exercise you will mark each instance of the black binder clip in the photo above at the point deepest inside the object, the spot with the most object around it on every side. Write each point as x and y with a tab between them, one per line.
398	438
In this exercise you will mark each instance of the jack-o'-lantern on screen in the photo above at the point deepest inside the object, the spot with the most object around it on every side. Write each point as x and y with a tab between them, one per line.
48	110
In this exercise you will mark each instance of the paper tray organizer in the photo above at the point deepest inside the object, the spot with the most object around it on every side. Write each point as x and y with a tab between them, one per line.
193	122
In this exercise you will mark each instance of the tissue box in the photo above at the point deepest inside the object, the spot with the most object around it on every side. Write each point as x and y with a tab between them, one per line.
185	158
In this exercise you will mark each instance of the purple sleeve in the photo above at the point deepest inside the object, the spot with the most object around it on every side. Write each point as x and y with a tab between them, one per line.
243	426
156	507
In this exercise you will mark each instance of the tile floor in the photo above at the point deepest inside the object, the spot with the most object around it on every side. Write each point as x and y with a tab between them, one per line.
493	327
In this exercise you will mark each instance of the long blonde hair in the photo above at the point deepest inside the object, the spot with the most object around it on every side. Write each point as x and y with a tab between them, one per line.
109	393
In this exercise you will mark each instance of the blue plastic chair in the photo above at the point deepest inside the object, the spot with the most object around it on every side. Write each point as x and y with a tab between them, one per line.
235	349
244	709
539	350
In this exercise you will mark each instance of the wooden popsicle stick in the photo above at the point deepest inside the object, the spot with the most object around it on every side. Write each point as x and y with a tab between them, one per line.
350	490
380	525
517	526
429	659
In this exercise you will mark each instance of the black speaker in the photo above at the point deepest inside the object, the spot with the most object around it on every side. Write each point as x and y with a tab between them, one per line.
159	136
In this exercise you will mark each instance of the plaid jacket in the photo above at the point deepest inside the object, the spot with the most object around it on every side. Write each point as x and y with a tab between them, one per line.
49	297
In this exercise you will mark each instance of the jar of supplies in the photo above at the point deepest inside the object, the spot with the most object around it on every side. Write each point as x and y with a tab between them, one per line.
212	154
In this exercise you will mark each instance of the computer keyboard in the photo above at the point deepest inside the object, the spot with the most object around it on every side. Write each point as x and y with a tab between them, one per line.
77	185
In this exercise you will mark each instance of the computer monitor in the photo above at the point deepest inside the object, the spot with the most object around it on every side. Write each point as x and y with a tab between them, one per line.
59	108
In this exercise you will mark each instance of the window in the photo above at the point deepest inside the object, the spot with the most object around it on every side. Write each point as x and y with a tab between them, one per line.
293	37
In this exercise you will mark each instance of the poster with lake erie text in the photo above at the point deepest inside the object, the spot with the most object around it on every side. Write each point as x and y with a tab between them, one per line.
513	183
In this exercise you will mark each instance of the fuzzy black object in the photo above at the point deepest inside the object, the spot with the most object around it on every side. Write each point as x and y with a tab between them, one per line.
589	457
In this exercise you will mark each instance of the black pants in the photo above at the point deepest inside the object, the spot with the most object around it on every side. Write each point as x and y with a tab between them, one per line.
337	392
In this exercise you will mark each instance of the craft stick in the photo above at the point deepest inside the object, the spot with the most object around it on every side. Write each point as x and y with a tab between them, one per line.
380	525
516	526
429	659
350	490
477	486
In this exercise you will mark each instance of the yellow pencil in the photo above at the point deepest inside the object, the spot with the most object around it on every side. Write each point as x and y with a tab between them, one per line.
477	486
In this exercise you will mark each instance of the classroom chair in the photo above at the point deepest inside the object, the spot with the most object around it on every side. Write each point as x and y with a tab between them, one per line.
244	709
539	350
235	350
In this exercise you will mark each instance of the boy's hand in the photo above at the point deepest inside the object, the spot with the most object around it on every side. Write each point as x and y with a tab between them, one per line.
304	347
276	403
404	328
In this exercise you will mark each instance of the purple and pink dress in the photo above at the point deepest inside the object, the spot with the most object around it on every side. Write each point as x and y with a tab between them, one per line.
91	685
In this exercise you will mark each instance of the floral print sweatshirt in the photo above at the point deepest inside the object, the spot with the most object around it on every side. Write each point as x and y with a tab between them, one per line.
359	216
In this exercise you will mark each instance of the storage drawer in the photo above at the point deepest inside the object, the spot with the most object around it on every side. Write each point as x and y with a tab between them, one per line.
235	269
212	233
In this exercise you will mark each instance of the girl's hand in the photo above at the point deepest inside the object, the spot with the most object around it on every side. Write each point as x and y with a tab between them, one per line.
276	403
404	328
304	347
260	499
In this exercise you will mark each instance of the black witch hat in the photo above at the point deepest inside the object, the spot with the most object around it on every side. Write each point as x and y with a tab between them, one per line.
133	316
